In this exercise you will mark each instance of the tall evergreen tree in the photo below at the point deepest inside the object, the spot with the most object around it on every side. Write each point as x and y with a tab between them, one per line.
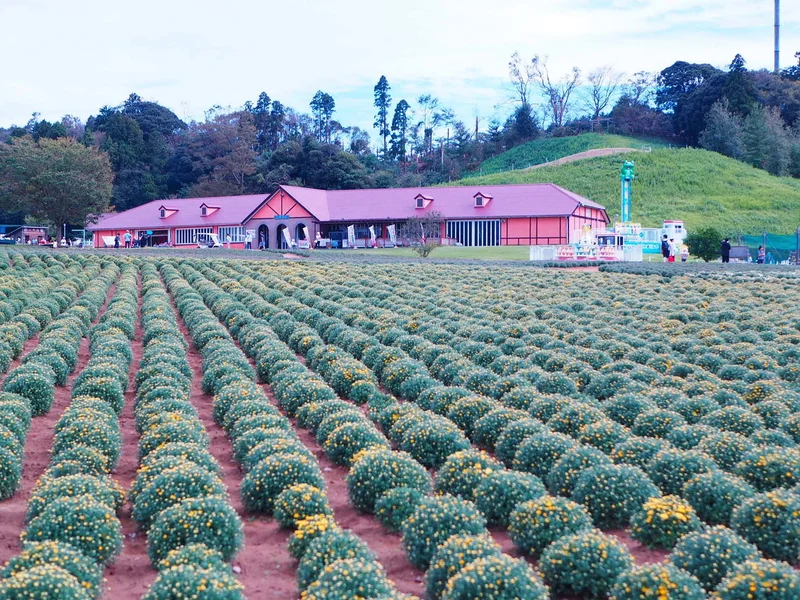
739	89
400	130
322	108
767	143
723	132
383	102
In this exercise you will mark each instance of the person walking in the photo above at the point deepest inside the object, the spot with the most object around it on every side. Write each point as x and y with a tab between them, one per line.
116	241
725	250
665	247
248	241
673	250
128	238
762	254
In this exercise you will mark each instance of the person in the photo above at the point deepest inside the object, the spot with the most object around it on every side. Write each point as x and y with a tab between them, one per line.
261	241
761	255
725	250
673	250
665	248
769	260
248	241
128	238
116	241
684	252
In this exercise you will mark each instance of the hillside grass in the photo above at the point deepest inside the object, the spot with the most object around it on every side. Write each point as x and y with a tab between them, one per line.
702	188
545	150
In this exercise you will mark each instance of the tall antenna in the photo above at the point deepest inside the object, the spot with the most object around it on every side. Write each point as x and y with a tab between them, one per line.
777	35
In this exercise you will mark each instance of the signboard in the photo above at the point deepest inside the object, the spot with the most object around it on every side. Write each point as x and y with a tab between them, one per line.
286	237
372	234
351	236
281	217
392	234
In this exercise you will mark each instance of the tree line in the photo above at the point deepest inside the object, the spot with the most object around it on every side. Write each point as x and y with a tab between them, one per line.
151	153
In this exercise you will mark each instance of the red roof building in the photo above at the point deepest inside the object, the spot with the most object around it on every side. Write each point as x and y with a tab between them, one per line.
525	214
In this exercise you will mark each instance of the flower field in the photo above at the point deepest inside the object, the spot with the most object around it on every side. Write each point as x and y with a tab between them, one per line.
347	430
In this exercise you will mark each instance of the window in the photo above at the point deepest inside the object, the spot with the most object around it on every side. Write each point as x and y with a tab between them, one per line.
185	237
237	234
420	202
203	211
478	200
475	233
163	213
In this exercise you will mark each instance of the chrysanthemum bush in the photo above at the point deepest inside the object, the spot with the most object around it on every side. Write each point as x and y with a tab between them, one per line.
102	489
770	467
298	502
189	581
535	524
435	519
268	478
663	521
452	556
327	549
585	564
714	495
768	579
351	578
771	521
307	530
656	582
612	493
396	505
501	491
463	472
538	453
195	555
512	436
381	470
43	581
496	578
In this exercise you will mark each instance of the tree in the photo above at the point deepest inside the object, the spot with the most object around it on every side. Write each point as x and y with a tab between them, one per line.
261	120
723	132
225	143
521	126
432	116
522	76
424	232
739	90
793	73
635	118
383	102
767	143
59	181
400	131
678	80
603	84
704	243
322	109
639	87
557	94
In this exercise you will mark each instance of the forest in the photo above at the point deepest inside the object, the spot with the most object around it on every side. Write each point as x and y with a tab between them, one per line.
750	115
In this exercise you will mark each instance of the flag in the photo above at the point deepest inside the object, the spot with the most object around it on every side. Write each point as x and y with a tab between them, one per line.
351	236
392	234
372	234
286	237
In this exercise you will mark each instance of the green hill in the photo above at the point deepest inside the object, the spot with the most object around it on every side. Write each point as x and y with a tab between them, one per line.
702	188
545	150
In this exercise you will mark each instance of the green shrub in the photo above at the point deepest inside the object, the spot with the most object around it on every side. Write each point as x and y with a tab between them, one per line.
497	577
267	448
771	580
726	448
173	485
82	522
466	412
535	524
657	423
396	505
312	414
247	441
329	424
327	549
735	419
198	556
189	581
91	458
656	582
188	451
671	469
711	554
191	432
350	578
101	489
299	502
349	439
307	530
512	436
106	388
10	473
638	451
626	407
562	477
573	417
38	554
770	467
381	470
771	521
489	427
586	564
43	581
99	435
540	452
210	521
687	437
661	522
453	555
33	383
604	435
262	484
463	472
435	519
613	493
714	495
432	442
500	492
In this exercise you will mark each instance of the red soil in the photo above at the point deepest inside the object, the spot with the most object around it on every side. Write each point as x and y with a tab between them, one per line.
37	451
131	574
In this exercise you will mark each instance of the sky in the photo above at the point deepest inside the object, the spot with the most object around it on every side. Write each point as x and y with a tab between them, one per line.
74	57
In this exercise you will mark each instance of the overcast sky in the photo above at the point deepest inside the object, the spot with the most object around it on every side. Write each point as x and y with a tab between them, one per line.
72	57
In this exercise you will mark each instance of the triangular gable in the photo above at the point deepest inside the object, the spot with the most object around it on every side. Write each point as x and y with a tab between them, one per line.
209	209
164	212
281	204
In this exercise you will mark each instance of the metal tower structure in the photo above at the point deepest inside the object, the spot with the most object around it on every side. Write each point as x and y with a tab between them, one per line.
626	177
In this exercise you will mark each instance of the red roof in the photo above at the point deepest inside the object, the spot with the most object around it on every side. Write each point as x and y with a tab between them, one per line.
233	210
454	202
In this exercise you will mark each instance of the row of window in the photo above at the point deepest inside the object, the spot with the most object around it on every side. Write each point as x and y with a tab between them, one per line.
236	234
474	233
184	237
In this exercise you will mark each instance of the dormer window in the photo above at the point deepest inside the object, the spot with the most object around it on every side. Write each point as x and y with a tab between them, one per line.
163	212
422	201
481	199
203	210
206	209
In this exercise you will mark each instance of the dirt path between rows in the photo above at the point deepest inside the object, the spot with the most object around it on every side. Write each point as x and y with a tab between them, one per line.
37	452
131	574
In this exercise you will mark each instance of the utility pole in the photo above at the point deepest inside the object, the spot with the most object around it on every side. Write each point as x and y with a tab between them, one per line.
777	35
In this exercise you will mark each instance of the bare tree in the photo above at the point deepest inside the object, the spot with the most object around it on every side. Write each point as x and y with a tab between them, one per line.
557	94
640	87
603	84
523	77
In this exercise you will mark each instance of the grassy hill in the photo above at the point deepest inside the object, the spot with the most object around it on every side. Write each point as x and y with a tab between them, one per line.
702	188
545	150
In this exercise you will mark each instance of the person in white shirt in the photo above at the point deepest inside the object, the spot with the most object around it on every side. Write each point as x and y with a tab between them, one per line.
248	241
